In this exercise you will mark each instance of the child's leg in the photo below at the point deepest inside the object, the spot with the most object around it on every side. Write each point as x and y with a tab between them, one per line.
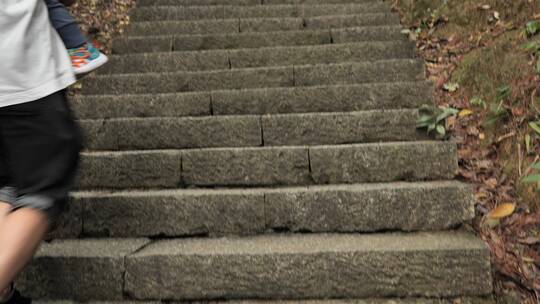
41	180
65	25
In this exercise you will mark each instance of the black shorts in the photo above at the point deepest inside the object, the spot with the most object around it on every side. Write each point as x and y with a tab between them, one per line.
39	153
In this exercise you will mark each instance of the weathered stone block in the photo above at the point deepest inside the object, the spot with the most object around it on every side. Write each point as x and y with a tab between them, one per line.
384	162
129	169
312	266
246	166
341	128
173	213
79	269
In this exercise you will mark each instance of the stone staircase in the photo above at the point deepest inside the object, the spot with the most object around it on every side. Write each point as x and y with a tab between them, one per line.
244	150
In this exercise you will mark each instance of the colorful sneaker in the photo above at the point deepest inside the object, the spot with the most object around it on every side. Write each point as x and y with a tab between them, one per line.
86	59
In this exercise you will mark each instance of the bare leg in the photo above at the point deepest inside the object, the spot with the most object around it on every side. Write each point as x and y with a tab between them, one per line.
4	210
20	235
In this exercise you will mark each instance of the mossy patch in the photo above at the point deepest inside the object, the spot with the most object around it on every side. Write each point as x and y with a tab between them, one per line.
483	71
465	16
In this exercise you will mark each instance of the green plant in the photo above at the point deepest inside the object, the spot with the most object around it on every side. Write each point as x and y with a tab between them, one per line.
434	119
534	48
534	177
478	102
531	28
497	111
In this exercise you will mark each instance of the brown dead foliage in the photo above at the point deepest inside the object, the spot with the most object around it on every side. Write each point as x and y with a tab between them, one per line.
515	242
101	20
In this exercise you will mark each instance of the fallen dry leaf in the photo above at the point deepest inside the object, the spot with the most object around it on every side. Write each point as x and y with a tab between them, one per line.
501	211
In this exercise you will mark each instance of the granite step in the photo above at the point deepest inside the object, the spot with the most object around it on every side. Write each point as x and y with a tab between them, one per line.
179	43
163	13
453	300
262	57
231	26
419	206
251	78
145	3
270	166
426	264
252	130
323	99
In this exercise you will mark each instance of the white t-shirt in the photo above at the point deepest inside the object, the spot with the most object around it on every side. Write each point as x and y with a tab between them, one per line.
33	60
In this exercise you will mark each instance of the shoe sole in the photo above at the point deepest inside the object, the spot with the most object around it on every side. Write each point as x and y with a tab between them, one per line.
92	66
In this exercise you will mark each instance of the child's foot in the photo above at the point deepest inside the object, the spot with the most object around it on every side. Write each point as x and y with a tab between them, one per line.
86	59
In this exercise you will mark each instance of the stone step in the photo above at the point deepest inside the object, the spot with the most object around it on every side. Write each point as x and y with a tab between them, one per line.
453	300
270	166
230	26
162	13
338	98
252	130
216	212
250	78
262	57
145	3
313	266
256	40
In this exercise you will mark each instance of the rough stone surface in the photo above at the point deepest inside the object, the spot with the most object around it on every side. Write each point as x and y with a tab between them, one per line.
166	62
454	300
173	213
69	223
312	266
173	133
189	81
130	169
270	24
341	128
334	98
160	13
250	40
255	39
246	166
368	33
197	2
142	3
142	44
305	75
351	21
79	270
333	53
183	27
370	207
383	162
333	208
144	105
360	72
338	98
262	57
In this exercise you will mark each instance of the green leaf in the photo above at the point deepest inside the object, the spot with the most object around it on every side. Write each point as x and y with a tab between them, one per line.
532	46
478	102
535	127
503	92
538	66
533	178
528	143
532	27
536	166
431	127
441	130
